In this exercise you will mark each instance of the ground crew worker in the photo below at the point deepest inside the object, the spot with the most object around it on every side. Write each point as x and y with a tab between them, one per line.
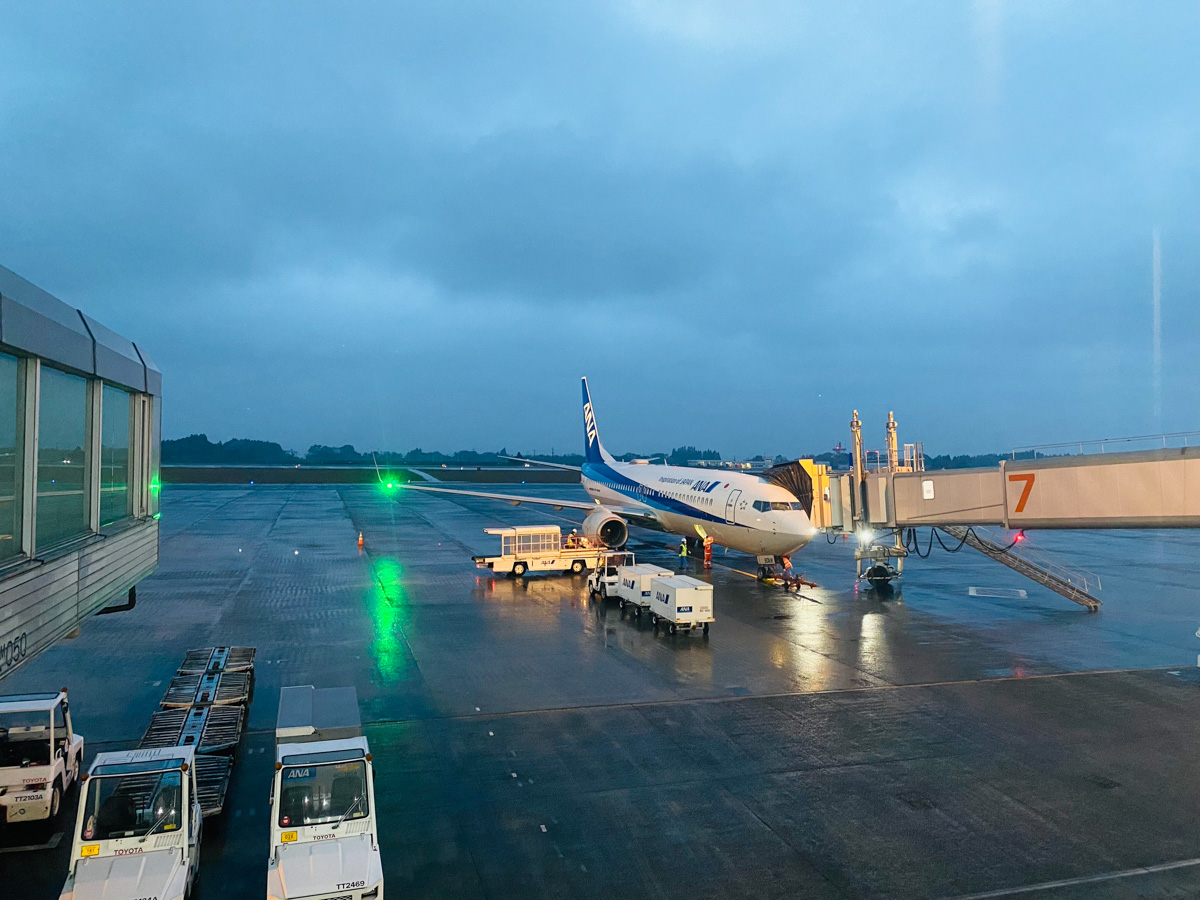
787	565
708	545
683	550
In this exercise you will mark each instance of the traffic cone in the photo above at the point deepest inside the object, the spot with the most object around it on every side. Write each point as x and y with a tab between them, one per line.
360	540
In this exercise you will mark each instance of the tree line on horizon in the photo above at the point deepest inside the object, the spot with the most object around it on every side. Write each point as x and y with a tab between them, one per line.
198	450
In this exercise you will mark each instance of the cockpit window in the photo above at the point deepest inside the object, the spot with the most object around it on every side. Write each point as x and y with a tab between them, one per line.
776	505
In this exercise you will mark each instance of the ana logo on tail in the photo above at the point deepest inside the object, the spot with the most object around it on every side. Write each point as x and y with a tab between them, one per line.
589	422
593	451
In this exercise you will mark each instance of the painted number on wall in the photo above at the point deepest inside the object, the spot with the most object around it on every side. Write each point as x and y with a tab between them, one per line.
1028	478
13	650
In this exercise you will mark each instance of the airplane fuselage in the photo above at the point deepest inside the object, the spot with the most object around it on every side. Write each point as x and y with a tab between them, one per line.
740	511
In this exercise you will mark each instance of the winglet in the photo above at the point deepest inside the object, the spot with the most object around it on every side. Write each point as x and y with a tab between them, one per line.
593	450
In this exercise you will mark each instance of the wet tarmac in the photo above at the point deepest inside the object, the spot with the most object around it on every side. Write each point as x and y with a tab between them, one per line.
531	743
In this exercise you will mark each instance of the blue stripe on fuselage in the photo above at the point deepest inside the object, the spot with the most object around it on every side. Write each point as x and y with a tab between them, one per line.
609	477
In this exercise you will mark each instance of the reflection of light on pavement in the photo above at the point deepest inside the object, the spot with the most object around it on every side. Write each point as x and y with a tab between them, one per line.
808	648
871	637
389	610
871	640
532	604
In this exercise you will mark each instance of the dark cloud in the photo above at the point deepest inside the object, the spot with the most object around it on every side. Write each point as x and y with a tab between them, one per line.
352	222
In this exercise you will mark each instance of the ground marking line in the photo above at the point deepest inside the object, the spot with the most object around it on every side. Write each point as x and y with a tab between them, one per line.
1084	879
49	845
682	701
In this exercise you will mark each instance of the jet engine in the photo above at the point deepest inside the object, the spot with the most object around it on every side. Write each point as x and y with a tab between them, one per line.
607	527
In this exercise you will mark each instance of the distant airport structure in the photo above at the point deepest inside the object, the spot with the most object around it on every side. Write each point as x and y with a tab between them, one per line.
80	426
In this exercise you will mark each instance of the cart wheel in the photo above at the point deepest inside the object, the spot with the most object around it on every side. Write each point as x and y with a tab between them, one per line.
622	603
75	771
654	620
577	567
639	612
520	569
55	800
603	591
706	628
673	628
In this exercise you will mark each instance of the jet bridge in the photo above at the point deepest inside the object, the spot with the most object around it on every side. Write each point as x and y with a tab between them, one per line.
1146	489
1157	488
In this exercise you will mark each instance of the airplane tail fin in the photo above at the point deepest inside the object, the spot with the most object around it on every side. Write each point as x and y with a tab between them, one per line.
593	450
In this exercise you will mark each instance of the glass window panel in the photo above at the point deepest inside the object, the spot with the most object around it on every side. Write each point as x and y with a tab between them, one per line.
114	456
10	473
155	454
62	511
132	806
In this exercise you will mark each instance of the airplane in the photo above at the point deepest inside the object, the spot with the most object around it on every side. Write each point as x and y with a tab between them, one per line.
759	514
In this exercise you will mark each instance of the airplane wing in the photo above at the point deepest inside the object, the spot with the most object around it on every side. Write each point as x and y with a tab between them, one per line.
514	499
643	516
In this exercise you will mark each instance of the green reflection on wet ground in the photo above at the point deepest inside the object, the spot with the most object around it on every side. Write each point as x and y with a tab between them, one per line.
389	610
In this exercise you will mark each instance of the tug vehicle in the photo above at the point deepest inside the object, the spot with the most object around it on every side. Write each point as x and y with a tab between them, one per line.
137	832
40	755
324	838
605	578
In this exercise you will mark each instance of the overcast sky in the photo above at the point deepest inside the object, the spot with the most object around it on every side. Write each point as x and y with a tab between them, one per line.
406	224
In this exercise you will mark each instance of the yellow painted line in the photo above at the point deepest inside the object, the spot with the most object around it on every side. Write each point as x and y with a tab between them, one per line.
739	571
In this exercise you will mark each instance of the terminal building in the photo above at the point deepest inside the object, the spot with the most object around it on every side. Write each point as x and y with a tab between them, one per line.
80	425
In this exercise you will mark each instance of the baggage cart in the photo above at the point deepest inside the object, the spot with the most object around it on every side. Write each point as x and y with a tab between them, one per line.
681	602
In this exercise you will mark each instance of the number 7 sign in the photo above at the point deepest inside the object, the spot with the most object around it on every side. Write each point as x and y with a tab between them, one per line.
1028	478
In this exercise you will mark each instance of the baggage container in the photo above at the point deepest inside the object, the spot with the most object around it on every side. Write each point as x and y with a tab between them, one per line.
681	602
633	584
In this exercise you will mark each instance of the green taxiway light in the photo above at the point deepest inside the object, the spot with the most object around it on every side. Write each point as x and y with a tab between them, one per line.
390	486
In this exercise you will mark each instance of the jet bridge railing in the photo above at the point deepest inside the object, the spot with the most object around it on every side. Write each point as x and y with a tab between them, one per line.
1146	489
1110	445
